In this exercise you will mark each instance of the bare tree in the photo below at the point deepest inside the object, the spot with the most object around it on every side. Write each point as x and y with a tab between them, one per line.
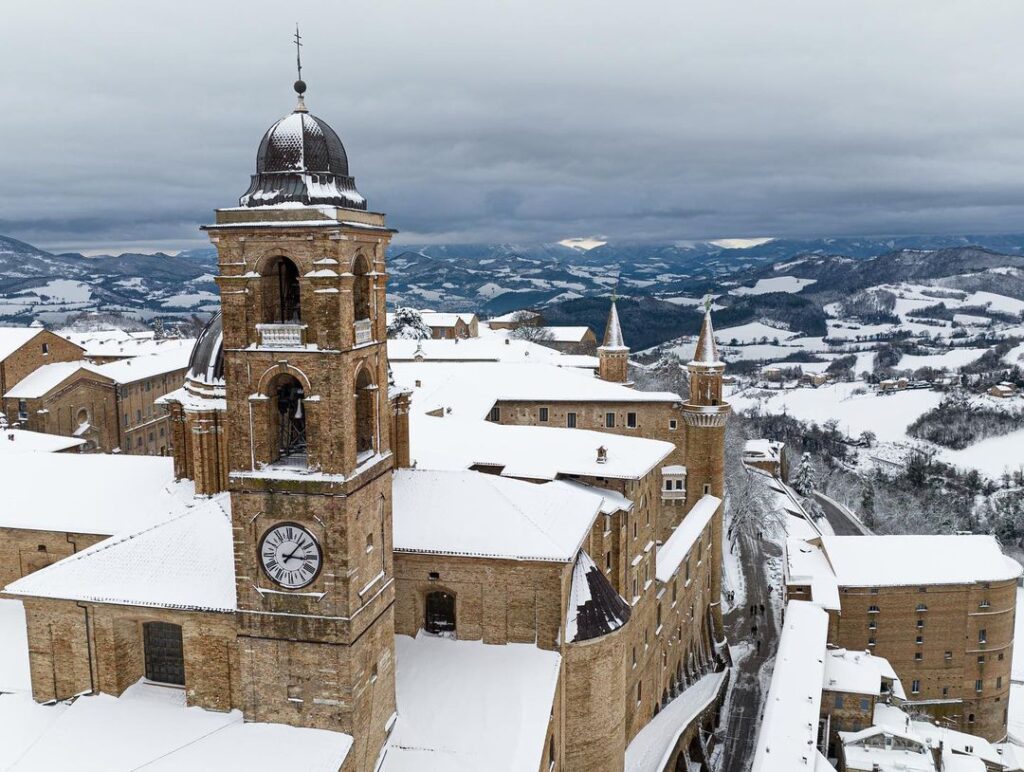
530	326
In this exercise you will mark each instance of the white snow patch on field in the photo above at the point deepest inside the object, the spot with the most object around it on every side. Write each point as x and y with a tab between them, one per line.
188	299
62	291
949	360
752	333
991	456
774	284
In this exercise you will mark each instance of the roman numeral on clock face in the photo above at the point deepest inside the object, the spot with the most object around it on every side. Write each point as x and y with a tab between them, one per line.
290	556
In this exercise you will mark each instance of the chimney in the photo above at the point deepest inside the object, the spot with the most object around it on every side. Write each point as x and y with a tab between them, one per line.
602	454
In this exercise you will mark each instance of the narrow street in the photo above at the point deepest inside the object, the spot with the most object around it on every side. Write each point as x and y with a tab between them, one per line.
842	521
740	732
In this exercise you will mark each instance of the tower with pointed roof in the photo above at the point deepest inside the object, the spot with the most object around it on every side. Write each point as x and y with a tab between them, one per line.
705	414
613	353
309	463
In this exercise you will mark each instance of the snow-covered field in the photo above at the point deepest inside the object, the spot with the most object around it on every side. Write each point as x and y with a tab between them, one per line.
774	284
991	456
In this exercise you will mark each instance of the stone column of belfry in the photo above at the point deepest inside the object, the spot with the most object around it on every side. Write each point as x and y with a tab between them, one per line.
613	353
705	414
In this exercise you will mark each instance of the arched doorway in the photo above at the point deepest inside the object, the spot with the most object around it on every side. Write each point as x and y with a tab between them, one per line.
440	613
281	297
165	655
366	414
288	420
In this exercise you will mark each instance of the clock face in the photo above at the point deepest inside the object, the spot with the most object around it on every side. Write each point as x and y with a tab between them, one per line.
290	555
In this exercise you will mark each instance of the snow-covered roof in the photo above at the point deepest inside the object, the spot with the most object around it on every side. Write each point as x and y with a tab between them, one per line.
41	380
594	608
611	500
858	672
806	564
442	319
149	727
652	747
706	353
910	756
789	725
147	366
567	334
671	553
514	316
472	388
489	348
768	449
120	344
467	705
530	452
869	561
90	493
613	340
475	514
186	562
23	441
13	338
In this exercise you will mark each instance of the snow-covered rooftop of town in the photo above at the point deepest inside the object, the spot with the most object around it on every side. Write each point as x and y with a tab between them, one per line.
566	334
789	728
149	727
43	379
24	441
13	338
148	365
90	493
467	705
530	452
491	347
671	553
120	343
476	514
906	560
652	748
186	562
859	672
806	564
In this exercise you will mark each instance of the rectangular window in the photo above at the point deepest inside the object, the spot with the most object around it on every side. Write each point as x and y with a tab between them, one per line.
919	640
126	419
707	489
982	636
865	704
679	485
138	416
46	349
608	561
570	420
607	524
495	414
918	656
542	415
999	682
668	485
915	687
672	424
977	685
631	420
639	692
609	420
839	702
22	409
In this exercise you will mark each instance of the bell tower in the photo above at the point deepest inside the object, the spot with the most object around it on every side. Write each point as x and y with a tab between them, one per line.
613	353
302	280
705	414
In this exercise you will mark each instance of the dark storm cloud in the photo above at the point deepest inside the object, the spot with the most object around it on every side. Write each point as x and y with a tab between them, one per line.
125	124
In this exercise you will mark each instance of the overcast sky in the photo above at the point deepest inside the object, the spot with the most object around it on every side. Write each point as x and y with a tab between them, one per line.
125	123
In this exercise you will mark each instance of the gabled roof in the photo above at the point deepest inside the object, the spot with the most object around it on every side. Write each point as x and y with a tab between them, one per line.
186	562
44	379
13	338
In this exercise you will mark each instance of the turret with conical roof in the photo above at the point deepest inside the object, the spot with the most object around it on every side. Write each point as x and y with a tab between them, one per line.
613	353
705	414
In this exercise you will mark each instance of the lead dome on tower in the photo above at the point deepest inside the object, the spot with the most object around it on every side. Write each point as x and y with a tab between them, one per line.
301	160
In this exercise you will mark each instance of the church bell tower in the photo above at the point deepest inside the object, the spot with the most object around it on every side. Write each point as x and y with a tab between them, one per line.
705	414
302	280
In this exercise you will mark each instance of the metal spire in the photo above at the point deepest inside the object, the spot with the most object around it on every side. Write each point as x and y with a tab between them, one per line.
300	84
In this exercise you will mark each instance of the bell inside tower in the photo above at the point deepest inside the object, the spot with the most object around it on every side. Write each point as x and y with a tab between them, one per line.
291	421
281	299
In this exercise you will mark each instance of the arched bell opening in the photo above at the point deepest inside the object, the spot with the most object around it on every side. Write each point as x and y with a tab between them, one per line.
282	302
366	415
287	422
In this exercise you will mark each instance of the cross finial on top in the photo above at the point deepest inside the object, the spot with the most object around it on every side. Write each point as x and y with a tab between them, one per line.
298	50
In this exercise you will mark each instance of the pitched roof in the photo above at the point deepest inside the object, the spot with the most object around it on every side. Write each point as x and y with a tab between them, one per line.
594	608
707	350
613	331
13	338
186	562
477	514
671	553
43	379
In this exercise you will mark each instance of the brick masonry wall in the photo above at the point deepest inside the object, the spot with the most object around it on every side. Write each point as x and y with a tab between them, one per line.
31	356
952	623
20	552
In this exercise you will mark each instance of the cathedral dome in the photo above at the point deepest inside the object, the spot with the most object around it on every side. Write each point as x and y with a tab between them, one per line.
206	365
301	160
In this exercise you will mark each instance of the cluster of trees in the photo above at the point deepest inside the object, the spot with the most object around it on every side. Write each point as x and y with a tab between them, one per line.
408	324
958	422
873	306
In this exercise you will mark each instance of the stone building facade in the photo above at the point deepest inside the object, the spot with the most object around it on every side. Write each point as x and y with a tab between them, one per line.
28	350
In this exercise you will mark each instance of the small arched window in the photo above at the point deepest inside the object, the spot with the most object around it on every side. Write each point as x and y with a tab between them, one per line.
287	420
362	289
366	414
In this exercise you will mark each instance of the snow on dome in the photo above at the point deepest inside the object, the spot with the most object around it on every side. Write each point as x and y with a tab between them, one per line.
301	160
595	609
206	364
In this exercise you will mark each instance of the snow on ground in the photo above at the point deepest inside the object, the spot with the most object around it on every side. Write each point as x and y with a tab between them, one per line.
949	360
991	456
752	333
189	299
14	672
63	290
887	415
774	284
996	302
1015	355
